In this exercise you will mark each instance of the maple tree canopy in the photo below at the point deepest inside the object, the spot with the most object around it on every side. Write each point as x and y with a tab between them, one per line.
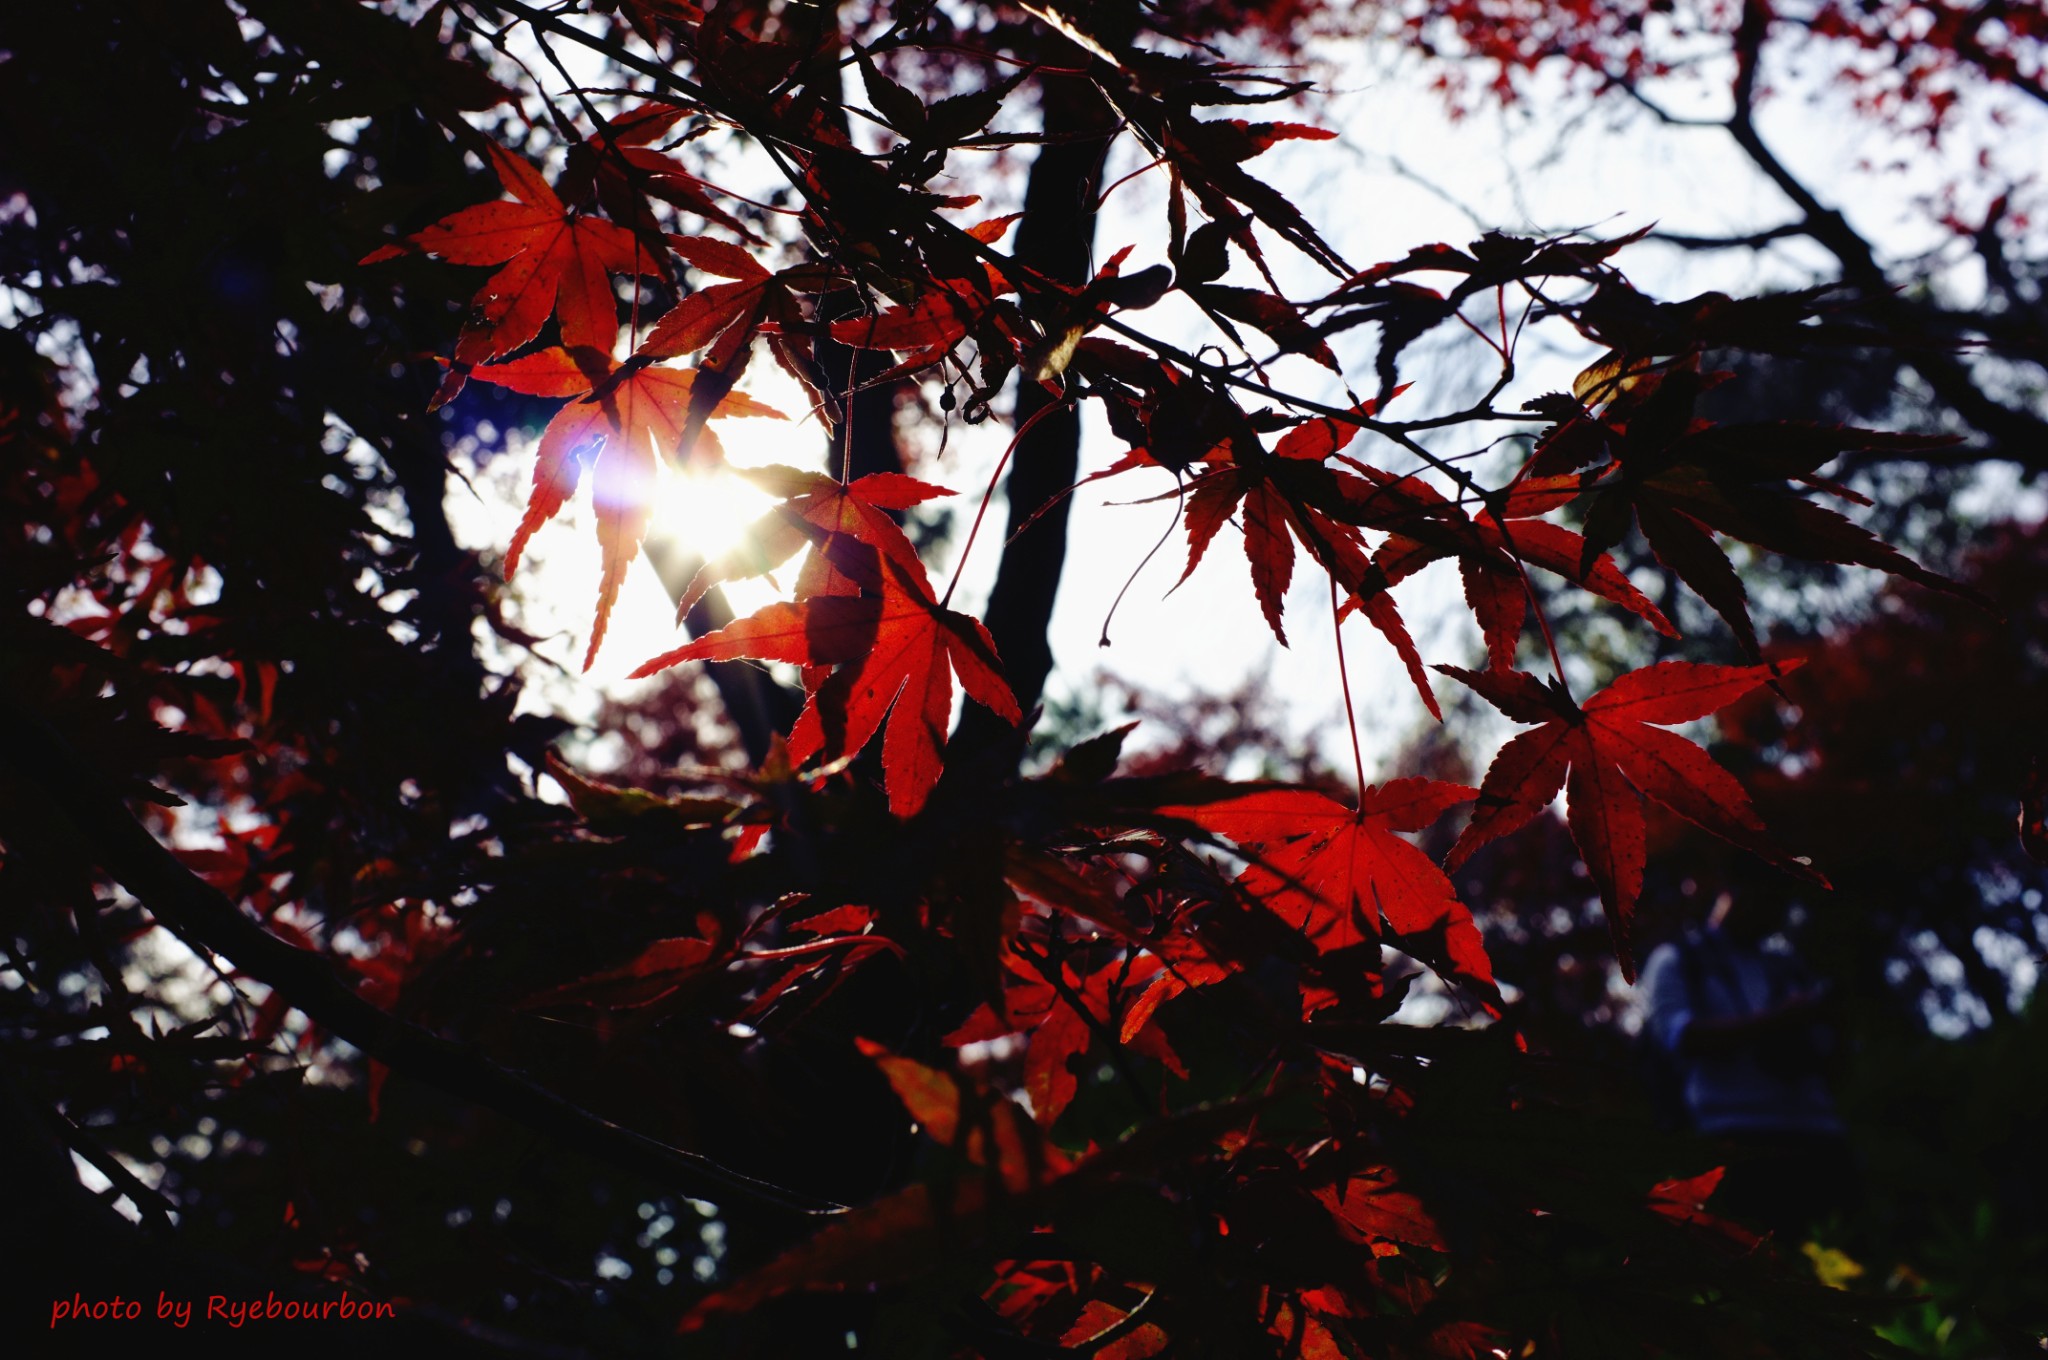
849	1019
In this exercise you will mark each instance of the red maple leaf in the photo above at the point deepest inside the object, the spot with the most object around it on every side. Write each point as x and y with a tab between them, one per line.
1289	494
627	415
1682	480
704	315
1613	751
555	259
625	170
932	326
1062	1022
1257	482
1423	526
722	319
1103	1332
1339	872
1684	1201
897	652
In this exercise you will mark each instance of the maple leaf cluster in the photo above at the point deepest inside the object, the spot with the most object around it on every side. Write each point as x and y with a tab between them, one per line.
1098	916
1106	1059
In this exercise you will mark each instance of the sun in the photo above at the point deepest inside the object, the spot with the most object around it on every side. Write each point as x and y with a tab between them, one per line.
705	513
701	513
697	515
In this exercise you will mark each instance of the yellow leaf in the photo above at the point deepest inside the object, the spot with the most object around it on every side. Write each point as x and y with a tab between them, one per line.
1832	1266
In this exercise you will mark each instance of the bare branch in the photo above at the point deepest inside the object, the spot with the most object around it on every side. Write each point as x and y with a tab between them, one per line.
2022	436
1751	241
36	753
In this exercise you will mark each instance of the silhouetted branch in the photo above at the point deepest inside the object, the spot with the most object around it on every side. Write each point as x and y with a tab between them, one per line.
2020	436
37	754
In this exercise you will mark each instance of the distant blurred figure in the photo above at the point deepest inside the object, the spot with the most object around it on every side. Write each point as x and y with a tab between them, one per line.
1743	1027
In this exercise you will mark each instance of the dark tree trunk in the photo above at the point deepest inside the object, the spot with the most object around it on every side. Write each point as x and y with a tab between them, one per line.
1057	239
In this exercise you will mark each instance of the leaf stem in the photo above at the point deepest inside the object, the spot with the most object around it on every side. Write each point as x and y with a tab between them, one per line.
1344	677
1535	603
1179	500
988	494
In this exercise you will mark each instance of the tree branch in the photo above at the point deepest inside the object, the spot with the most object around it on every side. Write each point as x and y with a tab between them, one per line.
36	753
1054	241
2021	436
153	1207
1750	241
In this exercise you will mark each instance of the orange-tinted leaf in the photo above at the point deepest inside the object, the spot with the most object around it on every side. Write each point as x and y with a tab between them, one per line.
611	808
620	432
1098	1319
1320	436
934	323
1264	135
1304	1335
931	1096
1048	1073
816	507
553	372
658	970
897	654
1372	1206
895	1238
991	231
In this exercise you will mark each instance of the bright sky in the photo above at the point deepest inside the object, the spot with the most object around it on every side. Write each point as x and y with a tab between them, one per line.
1404	174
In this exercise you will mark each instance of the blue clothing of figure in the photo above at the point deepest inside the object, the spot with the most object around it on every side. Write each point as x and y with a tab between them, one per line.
1772	1084
1743	1025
